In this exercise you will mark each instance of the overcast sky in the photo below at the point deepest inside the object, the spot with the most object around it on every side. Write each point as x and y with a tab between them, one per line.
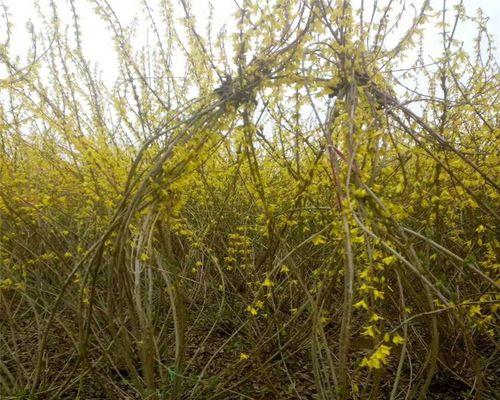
97	39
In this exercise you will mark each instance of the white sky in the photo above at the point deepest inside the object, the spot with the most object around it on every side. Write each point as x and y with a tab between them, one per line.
98	45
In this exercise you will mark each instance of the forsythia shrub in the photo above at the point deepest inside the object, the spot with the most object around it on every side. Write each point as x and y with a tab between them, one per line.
289	219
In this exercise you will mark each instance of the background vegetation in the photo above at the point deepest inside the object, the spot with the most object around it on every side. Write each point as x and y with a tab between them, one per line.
308	212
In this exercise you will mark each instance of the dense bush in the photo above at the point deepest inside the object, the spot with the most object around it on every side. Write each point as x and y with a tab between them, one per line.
287	220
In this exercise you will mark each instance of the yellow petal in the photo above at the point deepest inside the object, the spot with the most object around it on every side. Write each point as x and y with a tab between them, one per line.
397	339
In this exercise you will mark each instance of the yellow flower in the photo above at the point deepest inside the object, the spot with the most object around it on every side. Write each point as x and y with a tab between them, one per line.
474	310
369	331
358	239
365	273
267	283
375	317
318	239
252	310
6	283
364	287
361	304
389	260
284	269
244	356
377	359
359	193
397	339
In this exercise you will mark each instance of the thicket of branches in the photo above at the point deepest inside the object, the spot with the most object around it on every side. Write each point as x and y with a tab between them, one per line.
309	212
